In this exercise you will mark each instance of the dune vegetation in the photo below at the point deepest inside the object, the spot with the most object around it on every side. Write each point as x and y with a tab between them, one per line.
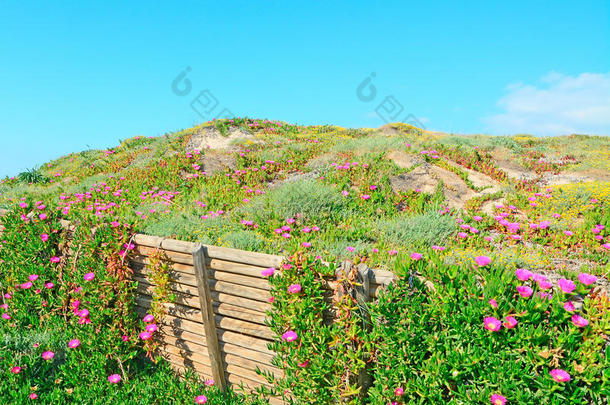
500	246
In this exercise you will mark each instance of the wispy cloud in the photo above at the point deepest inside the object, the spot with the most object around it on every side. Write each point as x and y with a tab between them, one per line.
560	105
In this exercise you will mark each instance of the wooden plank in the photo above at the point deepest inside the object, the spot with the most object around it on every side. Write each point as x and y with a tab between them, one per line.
363	296
254	282
221	308
180	364
178	246
208	317
188	348
183	293
217	252
248	353
212	264
197	359
148	240
240	290
178	324
242	256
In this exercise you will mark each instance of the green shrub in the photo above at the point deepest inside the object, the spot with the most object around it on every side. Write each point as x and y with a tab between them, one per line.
244	240
33	176
309	199
422	230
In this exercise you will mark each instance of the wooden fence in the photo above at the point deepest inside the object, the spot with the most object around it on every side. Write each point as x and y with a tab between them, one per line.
239	297
216	323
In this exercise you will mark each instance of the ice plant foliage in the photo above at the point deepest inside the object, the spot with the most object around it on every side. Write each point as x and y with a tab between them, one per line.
479	315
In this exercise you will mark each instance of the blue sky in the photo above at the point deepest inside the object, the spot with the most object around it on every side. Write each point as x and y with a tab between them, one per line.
78	75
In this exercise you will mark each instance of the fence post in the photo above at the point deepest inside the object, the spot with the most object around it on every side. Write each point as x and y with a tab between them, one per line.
363	295
207	315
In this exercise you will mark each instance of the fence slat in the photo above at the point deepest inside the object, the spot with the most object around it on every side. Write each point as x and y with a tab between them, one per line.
208	317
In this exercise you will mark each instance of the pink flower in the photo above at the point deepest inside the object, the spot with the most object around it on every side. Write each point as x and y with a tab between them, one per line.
587	279
416	256
114	378
493	303
392	252
579	321
44	237
33	277
148	318
209	382
201	399
462	235
365	196
560	375
568	233
6	316
33	395
54	259
49	285
83	313
399	391
492	323
567	286
569	306
26	285
152	327
294	288
510	322
89	276
74	343
345	193
268	272
350	249
497	399
306	244
482	261
48	355
544	284
538	278
289	336
435	247
145	335
304	364
42	216
16	370
523	274
524	291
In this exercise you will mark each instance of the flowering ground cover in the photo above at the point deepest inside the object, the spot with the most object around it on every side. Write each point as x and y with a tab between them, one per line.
518	311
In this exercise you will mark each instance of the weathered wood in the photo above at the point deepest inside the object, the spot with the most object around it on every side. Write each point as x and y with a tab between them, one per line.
178	245
240	290
208	317
180	364
148	240
178	326
199	359
197	352
194	338
363	296
254	282
145	286
217	252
